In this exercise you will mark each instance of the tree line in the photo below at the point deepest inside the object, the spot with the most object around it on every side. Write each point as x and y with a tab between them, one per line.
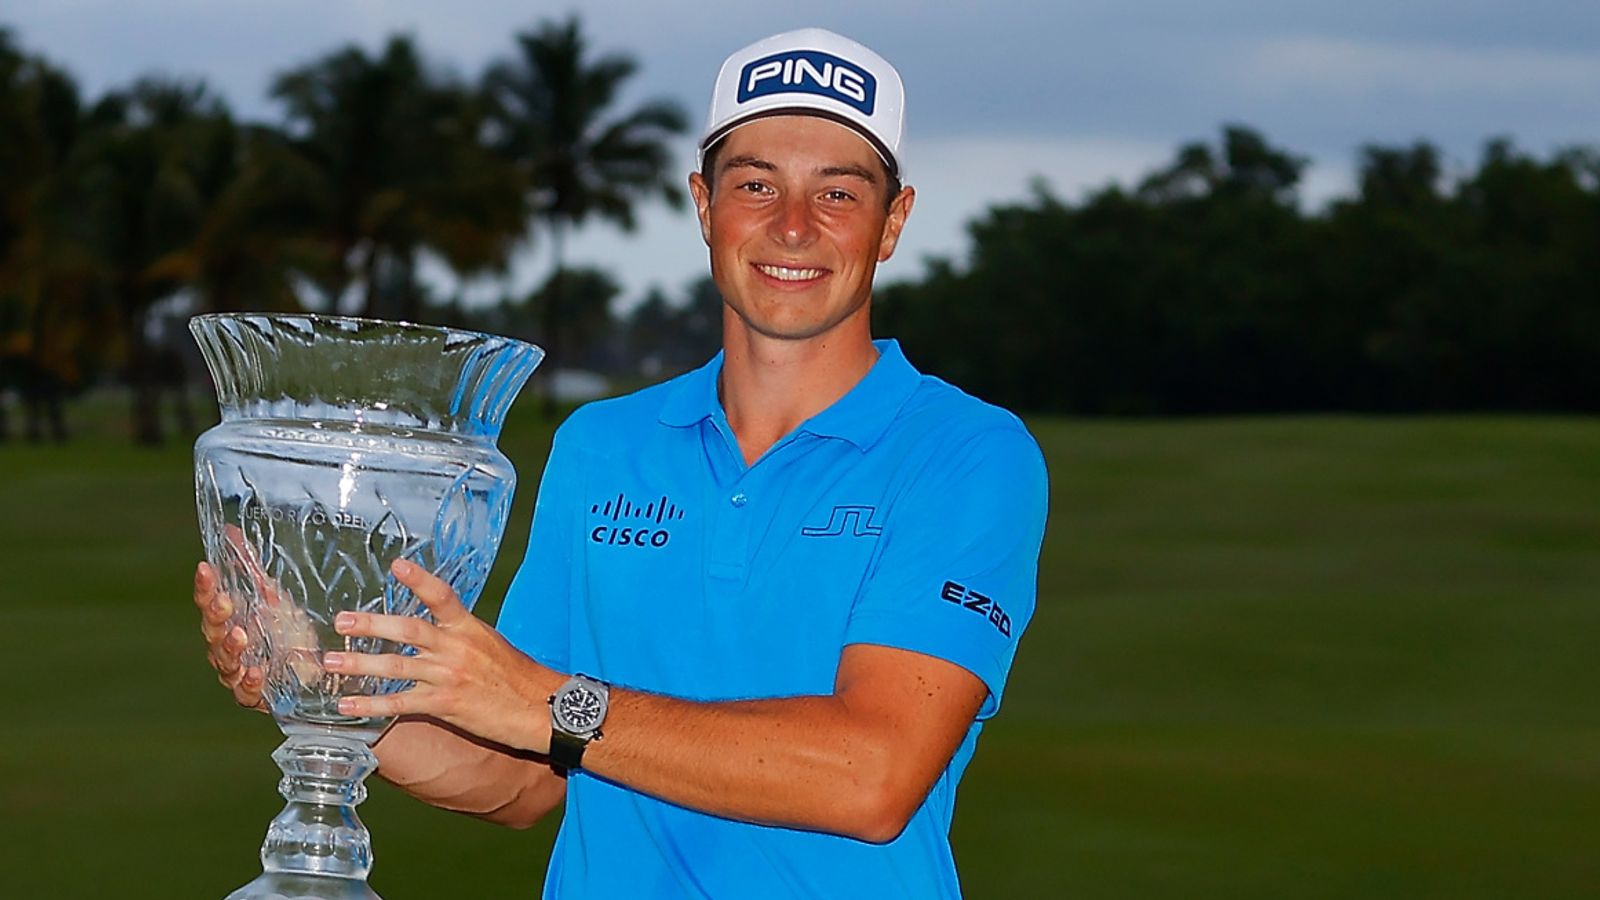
155	193
1206	287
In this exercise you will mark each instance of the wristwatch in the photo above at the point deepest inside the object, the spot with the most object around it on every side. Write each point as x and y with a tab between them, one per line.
577	710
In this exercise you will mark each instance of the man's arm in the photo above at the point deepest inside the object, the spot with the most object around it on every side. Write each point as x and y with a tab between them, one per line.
443	767
856	762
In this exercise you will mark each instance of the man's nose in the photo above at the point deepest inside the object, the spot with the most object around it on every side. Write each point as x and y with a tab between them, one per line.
794	223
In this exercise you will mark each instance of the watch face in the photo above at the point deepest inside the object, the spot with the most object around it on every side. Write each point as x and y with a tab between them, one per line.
578	709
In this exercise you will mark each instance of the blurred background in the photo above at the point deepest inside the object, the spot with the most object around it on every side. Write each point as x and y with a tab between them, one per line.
1301	300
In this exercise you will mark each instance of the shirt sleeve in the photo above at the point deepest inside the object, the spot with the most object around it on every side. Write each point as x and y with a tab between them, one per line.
536	614
958	572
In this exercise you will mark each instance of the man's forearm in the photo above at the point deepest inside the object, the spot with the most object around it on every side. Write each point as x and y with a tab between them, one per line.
858	762
441	767
799	761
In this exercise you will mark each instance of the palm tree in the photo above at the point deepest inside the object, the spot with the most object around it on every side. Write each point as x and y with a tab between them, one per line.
149	166
550	111
22	154
253	239
45	300
39	116
391	150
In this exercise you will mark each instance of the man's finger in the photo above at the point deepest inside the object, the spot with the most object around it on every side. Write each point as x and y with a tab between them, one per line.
227	666
215	606
382	705
434	592
245	554
205	585
231	647
400	629
214	617
219	610
382	665
247	690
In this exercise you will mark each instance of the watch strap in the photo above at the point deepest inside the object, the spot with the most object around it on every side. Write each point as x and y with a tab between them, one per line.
566	750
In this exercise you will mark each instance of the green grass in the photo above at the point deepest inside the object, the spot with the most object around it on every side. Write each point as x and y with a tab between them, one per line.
1293	657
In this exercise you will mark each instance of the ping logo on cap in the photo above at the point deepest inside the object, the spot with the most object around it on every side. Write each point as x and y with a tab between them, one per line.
809	72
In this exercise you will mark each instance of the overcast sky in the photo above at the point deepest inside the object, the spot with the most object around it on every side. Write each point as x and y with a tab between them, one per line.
1080	93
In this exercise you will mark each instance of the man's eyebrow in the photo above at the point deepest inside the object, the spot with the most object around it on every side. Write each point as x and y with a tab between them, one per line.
747	161
846	170
852	170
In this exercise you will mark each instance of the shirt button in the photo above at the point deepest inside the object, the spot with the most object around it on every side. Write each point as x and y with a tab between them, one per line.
739	499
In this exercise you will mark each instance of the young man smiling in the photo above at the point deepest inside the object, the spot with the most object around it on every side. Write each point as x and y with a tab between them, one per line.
792	580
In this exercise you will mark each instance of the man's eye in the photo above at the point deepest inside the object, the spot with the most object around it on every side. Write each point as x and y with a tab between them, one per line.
754	187
839	196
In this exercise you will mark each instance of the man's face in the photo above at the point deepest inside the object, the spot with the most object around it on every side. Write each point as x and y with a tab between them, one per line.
797	225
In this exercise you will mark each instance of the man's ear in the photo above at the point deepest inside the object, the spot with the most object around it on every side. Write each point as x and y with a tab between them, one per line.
700	192
899	210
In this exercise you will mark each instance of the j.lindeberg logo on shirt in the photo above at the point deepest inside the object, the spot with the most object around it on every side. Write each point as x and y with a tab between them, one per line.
634	524
851	520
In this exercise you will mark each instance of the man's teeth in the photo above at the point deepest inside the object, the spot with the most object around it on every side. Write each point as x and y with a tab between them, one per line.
784	273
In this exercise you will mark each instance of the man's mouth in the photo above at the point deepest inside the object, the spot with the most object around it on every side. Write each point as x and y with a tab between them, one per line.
786	273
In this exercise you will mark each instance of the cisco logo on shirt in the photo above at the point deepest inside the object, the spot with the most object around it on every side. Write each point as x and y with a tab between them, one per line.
626	523
809	72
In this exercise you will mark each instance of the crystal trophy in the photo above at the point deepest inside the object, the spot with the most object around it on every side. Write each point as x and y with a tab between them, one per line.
344	444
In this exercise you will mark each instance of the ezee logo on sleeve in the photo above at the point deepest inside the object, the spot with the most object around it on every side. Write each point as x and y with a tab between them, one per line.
984	606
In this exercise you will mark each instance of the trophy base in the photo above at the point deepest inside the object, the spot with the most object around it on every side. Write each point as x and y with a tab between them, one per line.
301	886
317	848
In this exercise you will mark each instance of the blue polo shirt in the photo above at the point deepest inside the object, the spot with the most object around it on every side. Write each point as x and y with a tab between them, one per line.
907	514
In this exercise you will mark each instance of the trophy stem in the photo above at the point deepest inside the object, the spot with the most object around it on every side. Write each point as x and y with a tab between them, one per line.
317	847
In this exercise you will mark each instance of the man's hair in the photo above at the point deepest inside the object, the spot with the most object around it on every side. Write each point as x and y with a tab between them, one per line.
708	172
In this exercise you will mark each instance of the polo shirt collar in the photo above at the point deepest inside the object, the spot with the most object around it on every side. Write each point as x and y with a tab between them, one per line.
694	398
860	416
863	415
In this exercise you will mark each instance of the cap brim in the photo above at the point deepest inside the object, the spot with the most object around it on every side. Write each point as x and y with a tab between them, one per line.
883	151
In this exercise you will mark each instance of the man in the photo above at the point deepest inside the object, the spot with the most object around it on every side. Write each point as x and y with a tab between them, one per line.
793	580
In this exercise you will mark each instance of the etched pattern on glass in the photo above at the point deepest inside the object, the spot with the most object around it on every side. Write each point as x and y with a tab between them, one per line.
292	567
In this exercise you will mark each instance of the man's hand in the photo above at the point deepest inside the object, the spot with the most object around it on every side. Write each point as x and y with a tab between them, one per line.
225	646
432	763
466	674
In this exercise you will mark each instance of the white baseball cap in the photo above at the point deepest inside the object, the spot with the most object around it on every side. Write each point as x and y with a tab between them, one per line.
811	72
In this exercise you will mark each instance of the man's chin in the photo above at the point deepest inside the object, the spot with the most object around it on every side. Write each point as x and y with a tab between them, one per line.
788	330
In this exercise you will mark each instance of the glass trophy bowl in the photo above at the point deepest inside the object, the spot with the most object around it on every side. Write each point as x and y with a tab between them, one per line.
344	444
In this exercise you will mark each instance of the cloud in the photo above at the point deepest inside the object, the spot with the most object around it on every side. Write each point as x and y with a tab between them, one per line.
1349	67
959	178
1078	93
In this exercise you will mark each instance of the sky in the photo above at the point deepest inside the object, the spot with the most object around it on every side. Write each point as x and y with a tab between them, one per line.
999	94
